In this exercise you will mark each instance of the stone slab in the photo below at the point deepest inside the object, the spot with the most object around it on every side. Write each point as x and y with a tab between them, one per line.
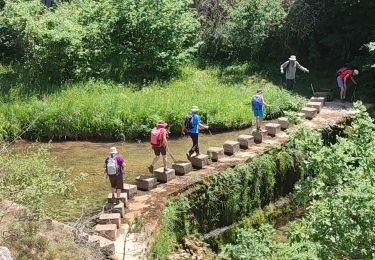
164	176
106	246
284	122
108	231
146	182
182	167
318	99
245	141
273	129
112	208
110	218
123	198
215	153
259	136
301	115
231	147
326	94
130	189
317	105
199	161
309	112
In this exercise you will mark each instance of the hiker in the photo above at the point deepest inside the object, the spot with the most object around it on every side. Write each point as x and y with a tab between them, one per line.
291	67
192	125
159	144
114	169
342	75
257	103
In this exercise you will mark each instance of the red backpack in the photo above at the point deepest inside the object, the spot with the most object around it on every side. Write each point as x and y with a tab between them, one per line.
157	135
341	70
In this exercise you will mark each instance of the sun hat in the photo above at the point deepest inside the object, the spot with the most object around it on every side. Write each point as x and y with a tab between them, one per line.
293	57
161	124
259	91
194	109
113	150
355	72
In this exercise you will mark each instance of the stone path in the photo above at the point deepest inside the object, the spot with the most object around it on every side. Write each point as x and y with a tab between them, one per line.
148	205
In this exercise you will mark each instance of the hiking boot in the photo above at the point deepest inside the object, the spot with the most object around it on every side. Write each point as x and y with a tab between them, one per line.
165	169
188	155
150	169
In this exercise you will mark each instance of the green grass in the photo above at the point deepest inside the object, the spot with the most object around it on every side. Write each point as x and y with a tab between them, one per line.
102	110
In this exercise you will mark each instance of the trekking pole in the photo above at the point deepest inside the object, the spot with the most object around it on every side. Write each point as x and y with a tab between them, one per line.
312	88
174	160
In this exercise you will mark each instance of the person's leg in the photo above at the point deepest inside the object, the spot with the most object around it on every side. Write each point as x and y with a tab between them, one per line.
155	160
119	186
112	180
163	151
191	151
340	84
257	122
196	144
289	84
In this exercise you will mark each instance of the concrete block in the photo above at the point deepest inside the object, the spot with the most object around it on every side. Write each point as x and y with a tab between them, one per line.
215	153
317	105
164	176
309	112
301	115
273	129
123	198
130	189
260	135
199	161
182	167
112	208
145	182
245	141
284	122
106	246
108	231
110	218
231	147
318	99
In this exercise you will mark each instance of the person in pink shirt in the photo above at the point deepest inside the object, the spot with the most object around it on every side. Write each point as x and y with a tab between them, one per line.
343	76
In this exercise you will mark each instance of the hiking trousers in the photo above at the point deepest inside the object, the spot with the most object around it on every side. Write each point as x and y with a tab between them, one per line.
195	147
290	84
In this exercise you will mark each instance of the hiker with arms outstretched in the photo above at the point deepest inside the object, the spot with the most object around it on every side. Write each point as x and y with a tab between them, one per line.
257	104
114	166
342	75
159	144
193	124
290	67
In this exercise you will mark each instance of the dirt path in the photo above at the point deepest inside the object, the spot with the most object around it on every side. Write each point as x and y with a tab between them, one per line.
149	205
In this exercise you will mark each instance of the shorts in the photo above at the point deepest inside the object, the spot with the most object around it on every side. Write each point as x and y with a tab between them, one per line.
117	181
340	82
259	113
160	150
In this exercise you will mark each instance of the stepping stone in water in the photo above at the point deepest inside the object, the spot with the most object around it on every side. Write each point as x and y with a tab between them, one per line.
245	141
123	198
309	112
318	99
199	161
317	105
273	129
182	167
110	218
163	176
231	147
215	153
145	182
129	189
259	135
108	231
284	122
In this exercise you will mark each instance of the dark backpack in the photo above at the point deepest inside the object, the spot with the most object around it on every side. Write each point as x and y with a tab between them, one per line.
257	102
189	122
341	70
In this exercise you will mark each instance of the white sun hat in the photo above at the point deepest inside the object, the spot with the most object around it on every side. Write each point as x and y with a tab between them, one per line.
293	57
194	109
113	150
355	72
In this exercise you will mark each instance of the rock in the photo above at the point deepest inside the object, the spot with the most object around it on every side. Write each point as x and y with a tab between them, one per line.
199	161
231	147
130	189
260	135
273	129
145	182
110	218
318	99
309	112
108	231
284	122
317	105
5	253
164	176
123	198
245	141
182	167
215	153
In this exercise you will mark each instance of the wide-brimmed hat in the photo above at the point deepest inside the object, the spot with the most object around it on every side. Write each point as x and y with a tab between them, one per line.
355	72
162	124
113	150
259	91
194	109
293	57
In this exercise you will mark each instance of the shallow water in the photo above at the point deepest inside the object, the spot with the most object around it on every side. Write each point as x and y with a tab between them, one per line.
89	157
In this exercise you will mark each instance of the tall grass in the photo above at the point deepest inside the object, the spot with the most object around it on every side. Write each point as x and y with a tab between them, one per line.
97	109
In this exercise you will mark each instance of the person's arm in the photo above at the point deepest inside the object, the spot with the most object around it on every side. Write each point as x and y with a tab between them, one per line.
203	126
264	103
283	66
302	68
345	78
165	143
354	82
105	167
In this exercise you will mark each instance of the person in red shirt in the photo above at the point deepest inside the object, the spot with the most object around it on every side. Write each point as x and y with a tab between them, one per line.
341	81
159	145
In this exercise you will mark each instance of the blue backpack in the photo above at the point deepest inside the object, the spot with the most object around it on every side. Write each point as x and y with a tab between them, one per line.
257	102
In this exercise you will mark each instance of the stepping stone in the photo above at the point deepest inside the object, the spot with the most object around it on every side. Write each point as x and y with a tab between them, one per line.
215	153
309	112
163	176
317	105
318	99
259	136
110	218
145	182
129	189
231	147
182	167
123	198
108	231
273	129
245	141
104	244
112	208
301	115
199	161
327	95
284	122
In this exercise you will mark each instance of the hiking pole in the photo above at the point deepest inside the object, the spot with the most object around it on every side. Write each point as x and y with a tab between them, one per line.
174	160
312	88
